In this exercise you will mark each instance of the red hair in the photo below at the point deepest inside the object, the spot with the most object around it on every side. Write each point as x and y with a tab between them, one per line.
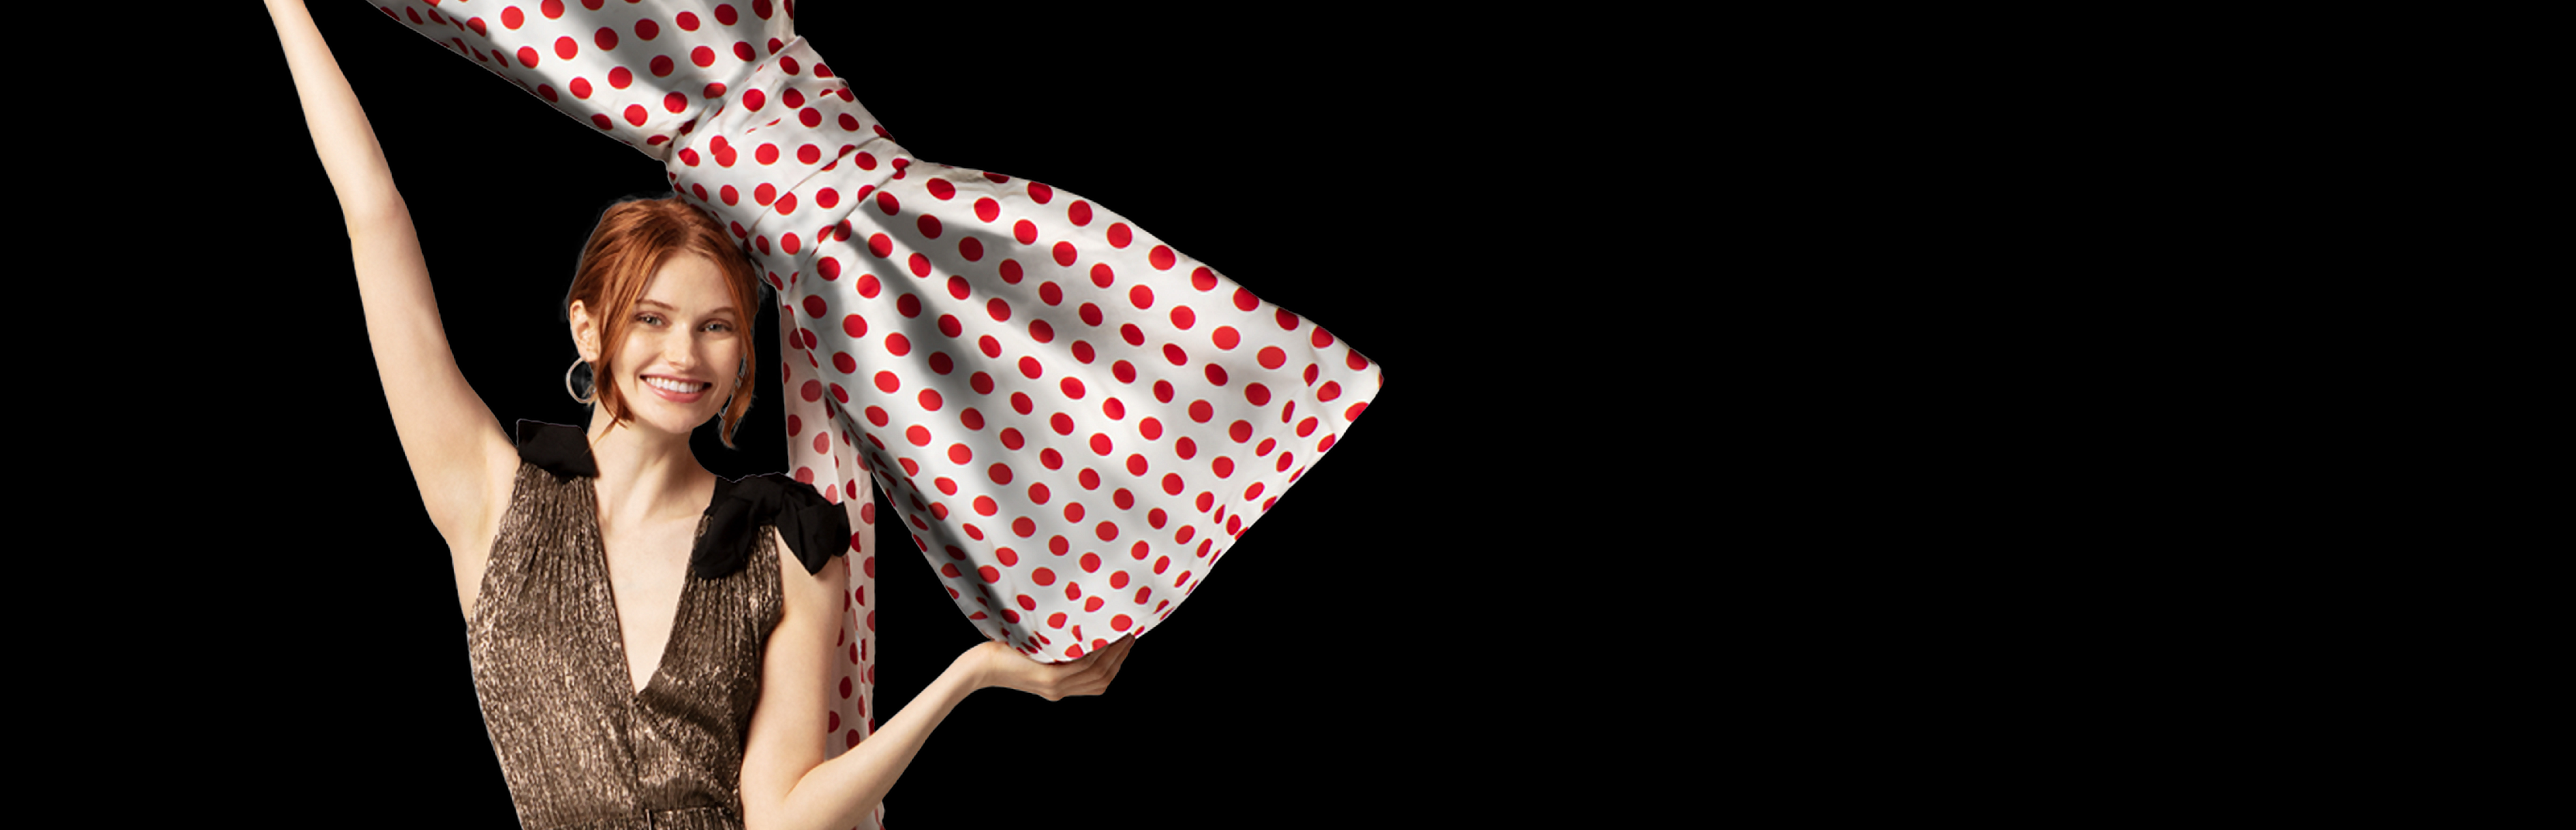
633	240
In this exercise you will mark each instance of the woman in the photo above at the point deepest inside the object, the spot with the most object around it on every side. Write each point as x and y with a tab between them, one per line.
659	310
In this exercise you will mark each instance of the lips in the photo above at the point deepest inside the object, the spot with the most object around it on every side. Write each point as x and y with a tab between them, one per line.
677	390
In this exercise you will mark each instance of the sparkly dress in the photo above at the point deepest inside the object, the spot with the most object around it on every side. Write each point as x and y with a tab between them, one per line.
579	746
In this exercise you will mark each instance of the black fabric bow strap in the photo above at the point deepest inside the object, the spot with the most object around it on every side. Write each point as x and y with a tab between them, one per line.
558	449
815	529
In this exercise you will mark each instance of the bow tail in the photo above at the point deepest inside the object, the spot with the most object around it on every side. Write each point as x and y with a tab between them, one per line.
818	456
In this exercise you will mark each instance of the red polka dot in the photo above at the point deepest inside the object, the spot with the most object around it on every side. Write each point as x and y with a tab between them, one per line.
960	454
917	263
919	435
1100	443
1223	466
1113	409
1258	394
987	209
1025	232
843	362
1184	318
1040	193
1241	431
1225	337
880	246
702	56
929	226
930	400
1216	374
1064	254
812	391
552	9
1321	338
1079	214
511	17
1203	279
886	202
887	382
1106	531
971	248
528	56
1120	235
1030	368
566	47
636	115
1330	390
1136	464
1151	429
647	29
661	66
1090	563
581	89
868	285
1271	357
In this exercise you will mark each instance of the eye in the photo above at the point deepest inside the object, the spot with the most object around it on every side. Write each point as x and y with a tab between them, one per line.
649	318
720	326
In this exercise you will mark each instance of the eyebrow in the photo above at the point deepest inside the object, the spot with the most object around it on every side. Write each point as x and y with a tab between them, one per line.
668	307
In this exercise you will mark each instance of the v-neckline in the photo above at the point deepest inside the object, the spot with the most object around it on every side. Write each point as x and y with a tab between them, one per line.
679	607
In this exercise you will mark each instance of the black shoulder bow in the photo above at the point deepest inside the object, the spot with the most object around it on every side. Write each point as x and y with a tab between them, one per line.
815	529
558	449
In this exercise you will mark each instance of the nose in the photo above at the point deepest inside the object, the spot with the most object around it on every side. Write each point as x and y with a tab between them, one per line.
681	351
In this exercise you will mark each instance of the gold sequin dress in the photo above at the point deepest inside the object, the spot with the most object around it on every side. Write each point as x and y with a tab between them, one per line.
579	746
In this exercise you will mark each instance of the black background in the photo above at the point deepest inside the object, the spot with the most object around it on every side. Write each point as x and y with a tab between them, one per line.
1377	639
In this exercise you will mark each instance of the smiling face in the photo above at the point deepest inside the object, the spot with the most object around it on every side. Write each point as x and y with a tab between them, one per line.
664	295
680	353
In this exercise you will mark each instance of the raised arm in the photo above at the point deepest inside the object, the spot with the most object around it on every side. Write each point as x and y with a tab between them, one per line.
458	454
786	784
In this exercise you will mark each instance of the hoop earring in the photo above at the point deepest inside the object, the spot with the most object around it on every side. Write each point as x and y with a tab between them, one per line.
577	364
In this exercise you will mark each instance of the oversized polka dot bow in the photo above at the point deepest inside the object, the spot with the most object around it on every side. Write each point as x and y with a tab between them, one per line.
1075	419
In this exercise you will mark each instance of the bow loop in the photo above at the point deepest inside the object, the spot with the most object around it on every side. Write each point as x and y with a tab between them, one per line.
815	529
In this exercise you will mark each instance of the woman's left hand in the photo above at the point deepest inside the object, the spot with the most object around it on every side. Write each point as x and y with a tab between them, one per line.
995	664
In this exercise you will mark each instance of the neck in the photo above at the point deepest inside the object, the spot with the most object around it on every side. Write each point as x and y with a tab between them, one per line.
644	474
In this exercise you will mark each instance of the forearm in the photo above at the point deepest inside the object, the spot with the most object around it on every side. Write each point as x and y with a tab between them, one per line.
341	134
841	792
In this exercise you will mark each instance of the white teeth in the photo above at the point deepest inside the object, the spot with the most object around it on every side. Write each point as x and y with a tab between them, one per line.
677	386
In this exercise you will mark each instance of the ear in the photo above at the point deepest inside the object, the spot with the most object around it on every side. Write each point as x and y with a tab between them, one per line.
585	333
